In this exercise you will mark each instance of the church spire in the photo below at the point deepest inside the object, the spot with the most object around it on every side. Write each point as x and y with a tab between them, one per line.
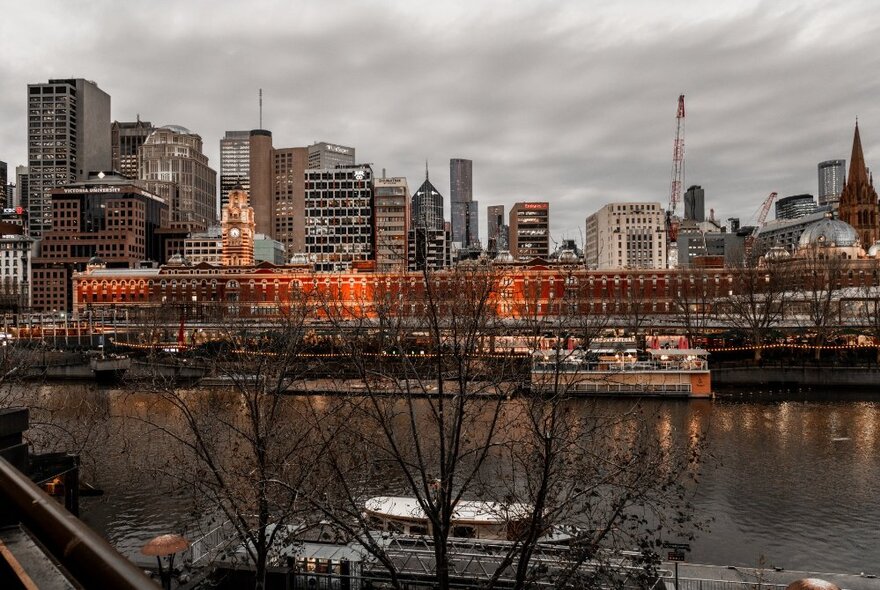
858	171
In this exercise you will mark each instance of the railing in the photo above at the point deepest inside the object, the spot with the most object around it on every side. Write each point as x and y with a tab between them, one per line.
90	559
701	584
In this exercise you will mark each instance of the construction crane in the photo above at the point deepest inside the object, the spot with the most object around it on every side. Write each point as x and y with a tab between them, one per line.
762	217
677	171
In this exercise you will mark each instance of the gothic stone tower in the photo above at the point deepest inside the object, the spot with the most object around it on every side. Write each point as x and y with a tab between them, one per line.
858	202
238	226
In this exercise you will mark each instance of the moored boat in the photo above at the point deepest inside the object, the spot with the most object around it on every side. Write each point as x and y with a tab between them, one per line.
657	372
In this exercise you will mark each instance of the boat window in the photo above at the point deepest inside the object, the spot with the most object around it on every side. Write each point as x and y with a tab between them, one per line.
464	532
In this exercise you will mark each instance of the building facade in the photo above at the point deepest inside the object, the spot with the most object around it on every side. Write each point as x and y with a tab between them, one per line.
68	137
858	200
126	138
174	167
784	233
5	197
339	217
16	256
391	211
695	203
529	235
323	155
235	163
109	218
290	166
262	193
831	178
204	247
627	236
795	206
498	230
22	183
464	213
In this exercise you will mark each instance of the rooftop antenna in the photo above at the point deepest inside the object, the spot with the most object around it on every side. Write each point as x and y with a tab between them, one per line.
261	108
426	169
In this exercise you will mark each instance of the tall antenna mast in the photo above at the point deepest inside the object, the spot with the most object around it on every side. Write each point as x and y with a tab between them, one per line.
261	108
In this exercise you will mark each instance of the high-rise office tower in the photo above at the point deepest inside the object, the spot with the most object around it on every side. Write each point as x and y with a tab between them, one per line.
795	206
465	217
173	166
68	137
427	206
4	196
858	200
391	212
126	138
262	193
831	177
235	163
328	155
290	165
498	229
22	182
695	203
530	230
339	217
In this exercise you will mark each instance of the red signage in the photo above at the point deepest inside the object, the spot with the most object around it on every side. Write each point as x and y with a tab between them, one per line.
541	206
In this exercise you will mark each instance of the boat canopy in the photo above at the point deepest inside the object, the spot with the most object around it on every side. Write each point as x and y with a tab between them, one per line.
466	511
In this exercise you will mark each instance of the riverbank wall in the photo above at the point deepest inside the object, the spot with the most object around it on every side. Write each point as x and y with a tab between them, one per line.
797	376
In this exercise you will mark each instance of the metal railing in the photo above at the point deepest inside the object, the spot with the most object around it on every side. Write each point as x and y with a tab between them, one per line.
705	584
90	559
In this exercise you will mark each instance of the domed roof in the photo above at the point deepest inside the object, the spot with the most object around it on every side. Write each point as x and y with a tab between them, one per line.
829	232
777	253
96	261
874	250
176	129
568	256
178	260
504	256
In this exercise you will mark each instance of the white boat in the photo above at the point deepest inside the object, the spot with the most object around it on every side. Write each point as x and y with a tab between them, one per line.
660	372
471	519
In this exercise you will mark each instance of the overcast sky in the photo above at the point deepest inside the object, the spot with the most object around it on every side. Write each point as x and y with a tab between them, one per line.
569	102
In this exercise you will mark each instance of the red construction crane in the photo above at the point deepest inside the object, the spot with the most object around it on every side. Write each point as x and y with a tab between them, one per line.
765	209
677	170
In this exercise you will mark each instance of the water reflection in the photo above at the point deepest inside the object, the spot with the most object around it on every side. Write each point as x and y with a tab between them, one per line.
796	483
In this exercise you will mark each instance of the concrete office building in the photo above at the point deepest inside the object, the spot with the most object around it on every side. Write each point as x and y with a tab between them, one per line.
464	210
529	230
5	197
22	182
68	137
206	246
268	250
695	203
16	255
626	236
727	246
174	167
339	217
126	138
290	166
391	212
262	193
831	179
498	229
795	206
429	249
323	155
235	163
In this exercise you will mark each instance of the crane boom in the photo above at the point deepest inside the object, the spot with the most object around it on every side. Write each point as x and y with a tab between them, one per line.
765	209
677	158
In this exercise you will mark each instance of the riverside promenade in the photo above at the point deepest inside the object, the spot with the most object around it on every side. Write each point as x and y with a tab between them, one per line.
692	576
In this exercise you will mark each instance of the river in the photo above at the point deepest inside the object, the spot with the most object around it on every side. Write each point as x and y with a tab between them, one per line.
795	485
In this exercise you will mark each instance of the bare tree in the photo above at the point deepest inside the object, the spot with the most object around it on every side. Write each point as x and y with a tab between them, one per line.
755	302
816	280
693	301
243	450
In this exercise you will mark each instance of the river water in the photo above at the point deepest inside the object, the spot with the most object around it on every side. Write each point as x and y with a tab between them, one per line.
796	482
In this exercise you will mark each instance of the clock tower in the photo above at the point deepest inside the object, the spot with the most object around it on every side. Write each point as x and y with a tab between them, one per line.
238	225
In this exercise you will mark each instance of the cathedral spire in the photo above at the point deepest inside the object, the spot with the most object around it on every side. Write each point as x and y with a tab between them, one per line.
858	171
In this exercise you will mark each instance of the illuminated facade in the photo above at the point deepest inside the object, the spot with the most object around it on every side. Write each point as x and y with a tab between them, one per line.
238	229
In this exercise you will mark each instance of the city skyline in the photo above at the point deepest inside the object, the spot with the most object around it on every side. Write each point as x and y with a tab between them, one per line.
570	106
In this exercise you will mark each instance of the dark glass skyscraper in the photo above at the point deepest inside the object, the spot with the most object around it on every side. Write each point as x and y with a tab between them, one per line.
465	216
695	203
